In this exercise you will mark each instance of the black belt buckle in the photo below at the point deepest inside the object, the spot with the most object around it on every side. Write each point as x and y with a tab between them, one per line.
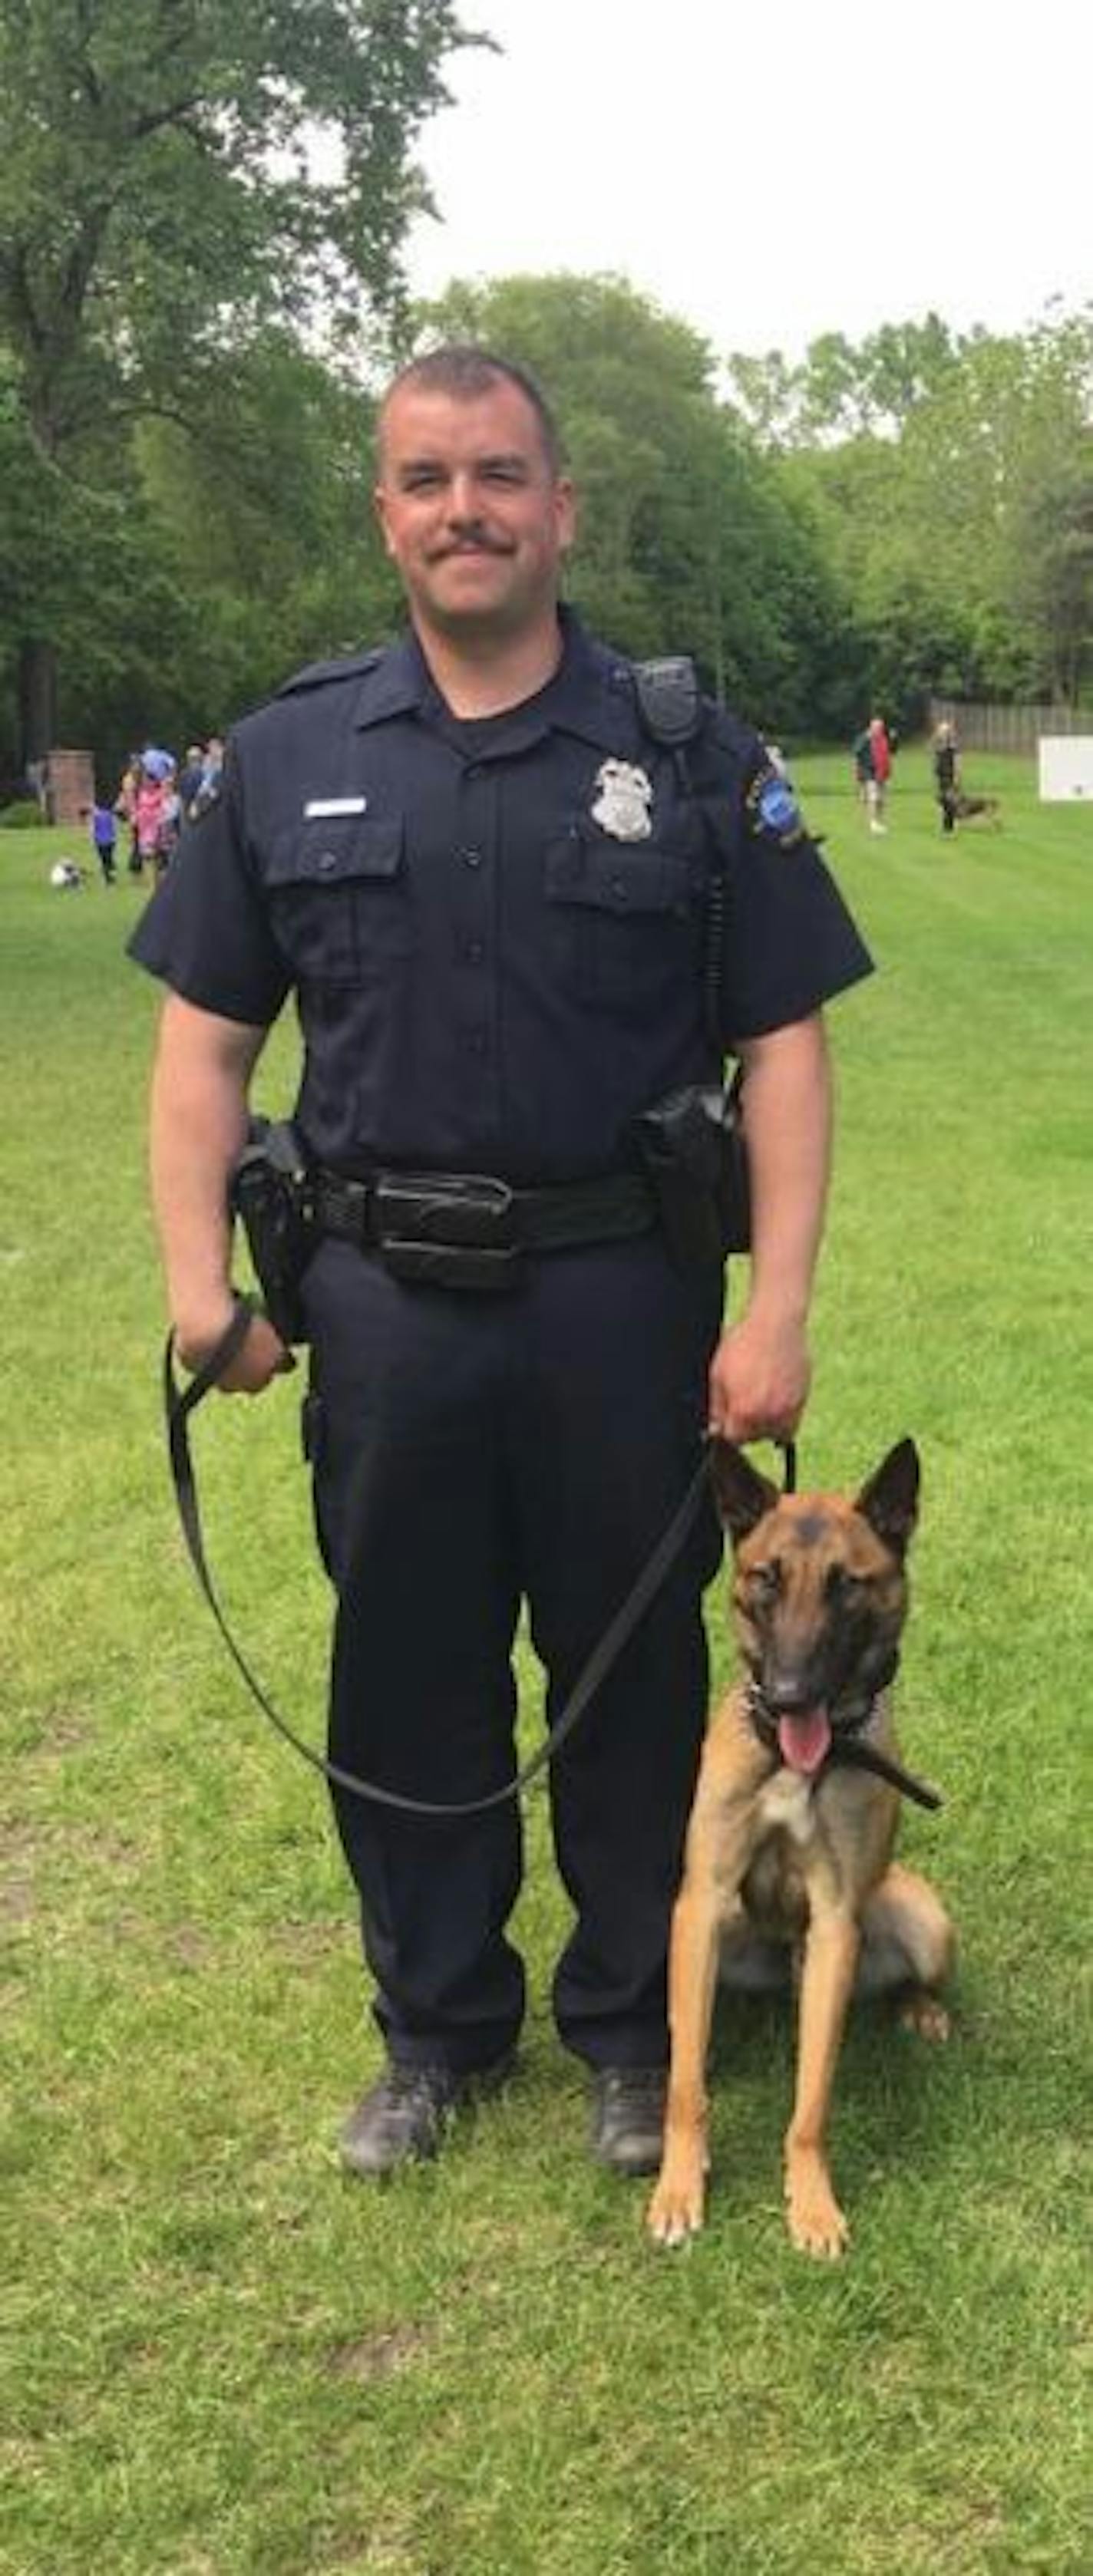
448	1230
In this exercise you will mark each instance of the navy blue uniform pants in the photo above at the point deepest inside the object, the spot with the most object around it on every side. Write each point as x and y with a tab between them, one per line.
471	1453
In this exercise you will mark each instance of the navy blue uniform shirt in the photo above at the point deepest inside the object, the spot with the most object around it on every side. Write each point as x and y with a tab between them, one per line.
496	941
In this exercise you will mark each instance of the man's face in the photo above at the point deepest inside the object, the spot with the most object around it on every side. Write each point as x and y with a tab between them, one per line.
471	510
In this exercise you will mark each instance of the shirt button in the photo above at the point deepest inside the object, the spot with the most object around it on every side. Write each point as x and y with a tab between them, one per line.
618	889
474	951
471	858
477	1042
327	862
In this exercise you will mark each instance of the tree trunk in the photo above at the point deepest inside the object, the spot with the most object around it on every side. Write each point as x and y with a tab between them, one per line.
37	700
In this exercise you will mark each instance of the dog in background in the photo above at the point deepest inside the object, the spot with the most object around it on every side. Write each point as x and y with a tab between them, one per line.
789	1849
971	809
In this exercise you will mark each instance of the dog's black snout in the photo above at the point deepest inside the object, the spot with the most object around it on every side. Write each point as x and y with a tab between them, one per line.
789	1692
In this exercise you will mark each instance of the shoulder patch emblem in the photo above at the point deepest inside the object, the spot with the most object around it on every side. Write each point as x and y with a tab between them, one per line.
621	806
772	809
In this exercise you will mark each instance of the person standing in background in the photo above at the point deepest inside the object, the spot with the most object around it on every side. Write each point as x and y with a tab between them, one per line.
946	774
880	754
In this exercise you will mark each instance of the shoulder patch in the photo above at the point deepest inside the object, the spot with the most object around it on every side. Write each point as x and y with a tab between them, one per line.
772	809
317	675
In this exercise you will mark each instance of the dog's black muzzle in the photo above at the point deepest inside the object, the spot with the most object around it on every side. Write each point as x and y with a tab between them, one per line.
849	1697
842	1672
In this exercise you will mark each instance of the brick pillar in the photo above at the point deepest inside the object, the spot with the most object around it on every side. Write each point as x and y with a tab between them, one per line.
69	785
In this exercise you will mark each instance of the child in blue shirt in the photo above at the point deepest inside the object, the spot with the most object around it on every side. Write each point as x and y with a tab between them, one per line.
103	834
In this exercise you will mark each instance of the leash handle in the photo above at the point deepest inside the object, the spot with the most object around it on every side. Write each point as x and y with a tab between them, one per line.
179	1405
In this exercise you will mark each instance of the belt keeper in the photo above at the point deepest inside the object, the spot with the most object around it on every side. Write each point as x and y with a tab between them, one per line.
348	1208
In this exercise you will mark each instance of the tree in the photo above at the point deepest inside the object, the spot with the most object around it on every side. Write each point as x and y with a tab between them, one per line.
1048	548
176	176
841	391
265	586
949	482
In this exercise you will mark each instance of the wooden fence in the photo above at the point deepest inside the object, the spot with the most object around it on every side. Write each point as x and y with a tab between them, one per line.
997	728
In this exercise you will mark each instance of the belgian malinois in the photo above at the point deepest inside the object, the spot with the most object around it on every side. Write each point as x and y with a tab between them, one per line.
789	1849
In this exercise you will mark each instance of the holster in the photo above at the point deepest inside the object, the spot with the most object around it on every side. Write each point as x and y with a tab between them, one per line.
270	1193
692	1147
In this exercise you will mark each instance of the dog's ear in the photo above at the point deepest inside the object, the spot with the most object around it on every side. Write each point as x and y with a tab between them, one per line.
743	1495
889	1502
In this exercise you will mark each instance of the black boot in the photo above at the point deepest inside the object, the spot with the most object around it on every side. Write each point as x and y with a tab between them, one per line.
628	2117
404	2117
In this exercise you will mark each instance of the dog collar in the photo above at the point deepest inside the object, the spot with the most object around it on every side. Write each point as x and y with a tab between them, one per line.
846	1748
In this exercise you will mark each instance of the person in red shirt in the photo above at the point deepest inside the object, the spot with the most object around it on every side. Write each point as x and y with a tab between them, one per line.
877	786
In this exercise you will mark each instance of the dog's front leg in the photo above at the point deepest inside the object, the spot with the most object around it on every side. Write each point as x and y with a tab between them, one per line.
815	2220
677	2207
720	1842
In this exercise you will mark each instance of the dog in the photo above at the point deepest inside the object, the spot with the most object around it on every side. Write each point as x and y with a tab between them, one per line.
788	1862
975	809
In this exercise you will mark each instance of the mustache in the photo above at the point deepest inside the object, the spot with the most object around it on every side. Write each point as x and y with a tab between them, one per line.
472	541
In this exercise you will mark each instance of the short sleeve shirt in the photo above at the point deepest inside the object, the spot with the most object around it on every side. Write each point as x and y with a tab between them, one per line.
497	935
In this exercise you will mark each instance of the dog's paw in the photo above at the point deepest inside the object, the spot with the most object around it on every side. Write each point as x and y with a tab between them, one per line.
926	2016
677	2208
813	2216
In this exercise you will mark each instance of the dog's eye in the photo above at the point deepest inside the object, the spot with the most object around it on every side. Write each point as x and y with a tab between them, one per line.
841	1585
766	1580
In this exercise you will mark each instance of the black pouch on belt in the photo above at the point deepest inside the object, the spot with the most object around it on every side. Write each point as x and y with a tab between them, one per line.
269	1192
448	1230
692	1147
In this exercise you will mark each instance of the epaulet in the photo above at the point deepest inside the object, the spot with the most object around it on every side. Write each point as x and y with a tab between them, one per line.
318	675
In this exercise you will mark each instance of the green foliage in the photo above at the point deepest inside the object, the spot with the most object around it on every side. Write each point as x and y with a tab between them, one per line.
842	391
178	179
174	174
202	210
952	482
24	814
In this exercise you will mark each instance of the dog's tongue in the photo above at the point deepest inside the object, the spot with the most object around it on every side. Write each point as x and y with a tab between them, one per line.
803	1741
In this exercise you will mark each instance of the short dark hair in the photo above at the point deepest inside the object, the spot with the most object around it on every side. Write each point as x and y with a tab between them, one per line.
464	370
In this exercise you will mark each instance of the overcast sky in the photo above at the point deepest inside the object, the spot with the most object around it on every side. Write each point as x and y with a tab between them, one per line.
772	172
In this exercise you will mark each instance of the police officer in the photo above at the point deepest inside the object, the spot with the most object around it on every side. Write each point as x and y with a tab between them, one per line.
489	890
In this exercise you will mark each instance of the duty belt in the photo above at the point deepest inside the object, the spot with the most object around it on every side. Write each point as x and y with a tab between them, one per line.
469	1230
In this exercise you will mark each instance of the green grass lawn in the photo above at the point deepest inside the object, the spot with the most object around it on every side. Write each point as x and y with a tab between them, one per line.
223	2357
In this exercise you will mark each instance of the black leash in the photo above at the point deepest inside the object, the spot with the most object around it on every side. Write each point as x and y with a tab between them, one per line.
865	1757
179	1404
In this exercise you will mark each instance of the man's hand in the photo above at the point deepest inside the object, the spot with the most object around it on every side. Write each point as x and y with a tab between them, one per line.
759	1380
261	1356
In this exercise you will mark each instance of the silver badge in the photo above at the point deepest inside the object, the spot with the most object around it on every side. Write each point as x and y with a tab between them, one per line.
622	804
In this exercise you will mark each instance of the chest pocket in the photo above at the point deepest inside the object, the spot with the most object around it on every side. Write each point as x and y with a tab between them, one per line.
340	898
627	919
